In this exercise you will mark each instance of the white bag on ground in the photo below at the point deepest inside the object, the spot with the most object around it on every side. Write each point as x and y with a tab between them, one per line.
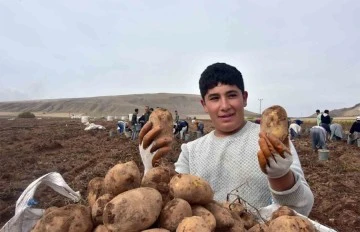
25	216
267	211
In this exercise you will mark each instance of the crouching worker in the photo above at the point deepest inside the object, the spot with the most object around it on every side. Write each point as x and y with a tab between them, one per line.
354	131
295	129
181	128
318	137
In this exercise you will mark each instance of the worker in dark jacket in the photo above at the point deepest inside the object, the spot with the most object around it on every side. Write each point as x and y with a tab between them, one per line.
354	131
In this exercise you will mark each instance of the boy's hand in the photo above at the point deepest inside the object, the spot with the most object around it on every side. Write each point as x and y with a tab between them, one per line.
152	148
274	157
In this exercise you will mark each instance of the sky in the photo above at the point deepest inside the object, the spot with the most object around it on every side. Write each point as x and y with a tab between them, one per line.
302	55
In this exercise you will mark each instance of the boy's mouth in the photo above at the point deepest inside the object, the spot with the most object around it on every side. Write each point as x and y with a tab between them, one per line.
226	116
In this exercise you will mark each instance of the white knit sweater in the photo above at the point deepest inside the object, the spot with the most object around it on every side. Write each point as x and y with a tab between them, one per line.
228	162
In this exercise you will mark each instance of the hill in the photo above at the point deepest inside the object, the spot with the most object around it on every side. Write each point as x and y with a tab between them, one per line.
345	112
185	104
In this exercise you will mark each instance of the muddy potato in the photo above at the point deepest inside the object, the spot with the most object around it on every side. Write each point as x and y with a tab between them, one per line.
281	211
162	118
173	213
159	179
223	217
156	230
98	208
198	210
291	224
259	228
193	189
193	224
248	219
101	228
274	120
237	227
236	209
70	218
94	188
122	177
133	210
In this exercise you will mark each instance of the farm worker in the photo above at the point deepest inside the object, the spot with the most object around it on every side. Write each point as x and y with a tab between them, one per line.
182	127
177	117
227	156
336	131
121	126
318	137
325	117
198	125
147	114
295	129
354	131
134	122
318	117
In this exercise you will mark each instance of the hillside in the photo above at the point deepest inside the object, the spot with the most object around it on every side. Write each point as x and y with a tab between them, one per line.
345	112
185	104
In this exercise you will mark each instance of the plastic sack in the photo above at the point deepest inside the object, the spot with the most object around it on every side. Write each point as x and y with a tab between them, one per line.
93	126
267	211
25	216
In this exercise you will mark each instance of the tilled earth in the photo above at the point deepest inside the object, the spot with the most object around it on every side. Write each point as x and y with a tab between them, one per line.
30	148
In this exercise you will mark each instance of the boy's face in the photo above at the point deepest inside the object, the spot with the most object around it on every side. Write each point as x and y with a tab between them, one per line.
225	106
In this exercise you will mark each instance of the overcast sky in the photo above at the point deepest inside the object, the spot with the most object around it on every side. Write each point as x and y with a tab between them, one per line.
302	55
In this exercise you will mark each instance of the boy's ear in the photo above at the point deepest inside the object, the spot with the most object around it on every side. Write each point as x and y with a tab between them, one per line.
204	105
245	97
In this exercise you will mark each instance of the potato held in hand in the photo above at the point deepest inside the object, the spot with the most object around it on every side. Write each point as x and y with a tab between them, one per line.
274	120
159	130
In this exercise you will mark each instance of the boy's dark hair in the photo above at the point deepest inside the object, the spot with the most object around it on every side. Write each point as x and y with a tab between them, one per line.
136	110
317	111
326	111
220	73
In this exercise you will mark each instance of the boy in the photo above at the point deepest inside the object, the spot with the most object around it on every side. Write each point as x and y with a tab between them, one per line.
227	156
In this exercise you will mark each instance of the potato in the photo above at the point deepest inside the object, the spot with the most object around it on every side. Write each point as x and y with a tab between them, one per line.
70	218
101	228
156	230
248	219
291	224
94	188
193	224
98	208
133	210
173	213
259	228
161	118
223	217
198	210
193	189
274	120
237	227
122	177
159	179
282	210
236	209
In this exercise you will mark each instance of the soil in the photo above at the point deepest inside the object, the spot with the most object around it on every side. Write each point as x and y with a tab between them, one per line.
30	148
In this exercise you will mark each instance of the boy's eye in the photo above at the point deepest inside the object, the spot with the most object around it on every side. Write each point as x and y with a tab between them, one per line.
212	98
233	95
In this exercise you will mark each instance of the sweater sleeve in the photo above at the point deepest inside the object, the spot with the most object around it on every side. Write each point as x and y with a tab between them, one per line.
300	196
182	164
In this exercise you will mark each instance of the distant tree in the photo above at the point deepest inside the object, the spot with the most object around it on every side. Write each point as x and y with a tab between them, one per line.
26	115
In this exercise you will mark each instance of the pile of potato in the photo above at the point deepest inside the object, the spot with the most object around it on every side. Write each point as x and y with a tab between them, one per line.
160	201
